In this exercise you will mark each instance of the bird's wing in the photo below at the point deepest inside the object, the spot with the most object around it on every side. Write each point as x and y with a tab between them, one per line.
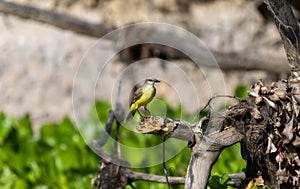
136	93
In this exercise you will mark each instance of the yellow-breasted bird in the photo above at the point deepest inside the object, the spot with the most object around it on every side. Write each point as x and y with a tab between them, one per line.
141	97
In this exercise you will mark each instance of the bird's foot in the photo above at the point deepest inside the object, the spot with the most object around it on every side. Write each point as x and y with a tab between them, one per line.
146	109
142	119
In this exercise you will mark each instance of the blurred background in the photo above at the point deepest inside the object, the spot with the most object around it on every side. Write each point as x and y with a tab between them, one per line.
38	64
39	61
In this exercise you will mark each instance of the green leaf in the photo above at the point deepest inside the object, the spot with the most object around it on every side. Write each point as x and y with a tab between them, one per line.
229	161
241	91
6	126
7	177
218	181
57	158
24	128
20	183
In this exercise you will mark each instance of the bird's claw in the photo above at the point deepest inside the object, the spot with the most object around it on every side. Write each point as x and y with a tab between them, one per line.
142	119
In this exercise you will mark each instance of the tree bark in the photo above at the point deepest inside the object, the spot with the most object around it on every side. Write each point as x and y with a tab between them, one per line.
289	31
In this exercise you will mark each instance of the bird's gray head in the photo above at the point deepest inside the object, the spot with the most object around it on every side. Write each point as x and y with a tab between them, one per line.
151	80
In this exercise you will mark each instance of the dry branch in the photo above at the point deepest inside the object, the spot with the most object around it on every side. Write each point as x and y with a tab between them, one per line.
56	19
184	130
153	178
209	142
226	61
114	176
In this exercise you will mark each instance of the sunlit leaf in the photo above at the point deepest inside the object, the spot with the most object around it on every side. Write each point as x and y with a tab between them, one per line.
241	91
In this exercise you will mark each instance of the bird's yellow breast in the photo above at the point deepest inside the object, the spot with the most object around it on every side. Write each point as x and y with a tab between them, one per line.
148	92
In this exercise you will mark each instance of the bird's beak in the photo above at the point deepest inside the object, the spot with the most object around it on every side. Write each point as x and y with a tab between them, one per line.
156	81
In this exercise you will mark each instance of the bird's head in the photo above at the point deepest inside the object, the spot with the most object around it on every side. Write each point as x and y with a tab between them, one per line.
151	80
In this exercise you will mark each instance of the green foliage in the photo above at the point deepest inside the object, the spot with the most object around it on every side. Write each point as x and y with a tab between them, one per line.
241	91
57	158
229	161
217	181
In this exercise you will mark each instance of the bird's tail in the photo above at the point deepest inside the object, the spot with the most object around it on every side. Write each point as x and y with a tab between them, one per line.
130	116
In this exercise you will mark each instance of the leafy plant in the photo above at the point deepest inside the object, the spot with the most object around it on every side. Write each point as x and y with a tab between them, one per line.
56	157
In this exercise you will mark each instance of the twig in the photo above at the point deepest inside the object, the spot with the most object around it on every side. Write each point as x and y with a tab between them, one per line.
108	127
217	96
164	161
236	178
108	158
117	141
153	178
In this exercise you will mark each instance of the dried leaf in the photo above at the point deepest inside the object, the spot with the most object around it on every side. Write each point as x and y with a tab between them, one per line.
295	107
282	176
264	90
288	131
288	107
274	97
296	142
253	93
271	103
271	148
255	113
295	180
258	100
281	94
279	159
277	124
296	158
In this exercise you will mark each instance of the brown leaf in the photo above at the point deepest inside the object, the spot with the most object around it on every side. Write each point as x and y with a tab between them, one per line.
295	107
256	113
271	103
271	148
296	142
288	131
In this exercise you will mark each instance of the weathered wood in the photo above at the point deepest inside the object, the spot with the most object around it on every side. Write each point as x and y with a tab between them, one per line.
208	143
199	169
115	176
179	129
288	28
132	175
289	31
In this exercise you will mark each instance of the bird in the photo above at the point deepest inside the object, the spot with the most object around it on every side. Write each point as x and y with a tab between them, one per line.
141	96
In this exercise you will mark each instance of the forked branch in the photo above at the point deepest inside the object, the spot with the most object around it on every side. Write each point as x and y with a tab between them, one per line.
207	139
